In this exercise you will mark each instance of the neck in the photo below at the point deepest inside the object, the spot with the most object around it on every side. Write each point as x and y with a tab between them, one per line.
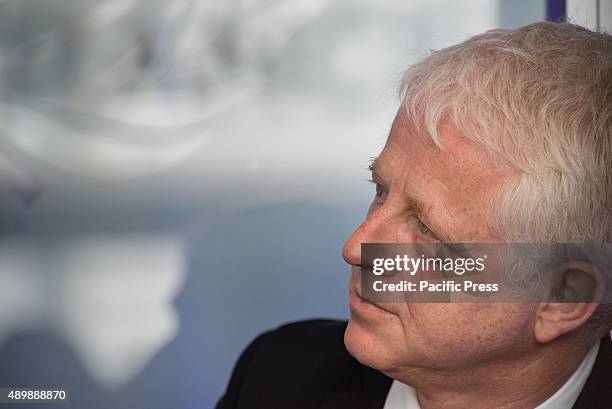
517	383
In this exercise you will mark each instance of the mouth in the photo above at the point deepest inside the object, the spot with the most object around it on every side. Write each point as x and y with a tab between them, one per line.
360	305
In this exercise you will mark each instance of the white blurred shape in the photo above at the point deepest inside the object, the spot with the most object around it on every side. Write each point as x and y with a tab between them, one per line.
110	297
107	12
583	12
267	28
146	77
595	15
98	156
117	301
605	16
180	111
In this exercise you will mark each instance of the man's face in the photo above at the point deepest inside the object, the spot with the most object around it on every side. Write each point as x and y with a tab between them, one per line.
424	194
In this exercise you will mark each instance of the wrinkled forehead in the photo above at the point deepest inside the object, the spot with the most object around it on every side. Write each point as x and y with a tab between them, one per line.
457	158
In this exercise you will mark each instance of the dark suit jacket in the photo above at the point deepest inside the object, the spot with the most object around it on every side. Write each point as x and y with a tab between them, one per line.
306	366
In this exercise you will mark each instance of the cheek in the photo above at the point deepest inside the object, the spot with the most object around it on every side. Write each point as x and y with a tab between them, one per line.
443	335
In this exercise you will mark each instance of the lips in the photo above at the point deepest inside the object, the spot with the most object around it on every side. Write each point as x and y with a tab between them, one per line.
359	303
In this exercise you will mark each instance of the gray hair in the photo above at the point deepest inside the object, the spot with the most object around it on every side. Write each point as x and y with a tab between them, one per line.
540	97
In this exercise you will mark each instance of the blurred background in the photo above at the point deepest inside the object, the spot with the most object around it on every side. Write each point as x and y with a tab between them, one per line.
178	176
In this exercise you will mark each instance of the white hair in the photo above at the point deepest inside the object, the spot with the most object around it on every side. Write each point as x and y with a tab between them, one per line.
540	97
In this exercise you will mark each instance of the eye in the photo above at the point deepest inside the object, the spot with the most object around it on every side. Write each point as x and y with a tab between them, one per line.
426	231
380	190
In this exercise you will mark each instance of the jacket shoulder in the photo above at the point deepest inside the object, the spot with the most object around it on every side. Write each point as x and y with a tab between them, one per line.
596	391
312	334
297	362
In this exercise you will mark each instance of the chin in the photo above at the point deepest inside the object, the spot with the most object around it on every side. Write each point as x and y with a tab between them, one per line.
370	347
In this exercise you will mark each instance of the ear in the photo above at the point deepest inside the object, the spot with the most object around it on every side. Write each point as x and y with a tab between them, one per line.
576	291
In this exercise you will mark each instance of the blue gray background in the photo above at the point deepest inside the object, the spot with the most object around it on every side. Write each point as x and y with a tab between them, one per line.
179	176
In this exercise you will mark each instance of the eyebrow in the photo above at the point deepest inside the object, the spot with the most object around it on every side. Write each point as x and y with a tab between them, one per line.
372	166
420	207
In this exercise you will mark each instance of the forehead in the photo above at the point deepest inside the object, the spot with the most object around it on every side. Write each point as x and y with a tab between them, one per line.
457	159
453	183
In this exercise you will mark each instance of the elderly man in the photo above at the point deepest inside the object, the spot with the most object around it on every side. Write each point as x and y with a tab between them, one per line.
506	137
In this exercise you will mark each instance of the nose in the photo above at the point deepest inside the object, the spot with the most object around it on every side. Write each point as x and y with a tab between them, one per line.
377	228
